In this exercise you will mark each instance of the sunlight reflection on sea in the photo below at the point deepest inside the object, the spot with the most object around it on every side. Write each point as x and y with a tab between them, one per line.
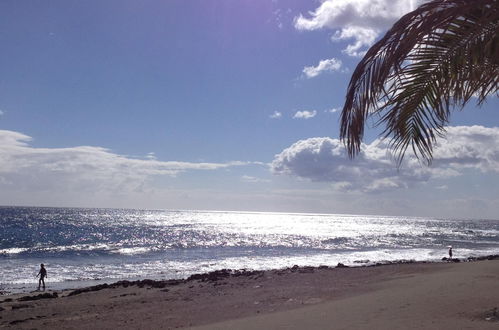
111	244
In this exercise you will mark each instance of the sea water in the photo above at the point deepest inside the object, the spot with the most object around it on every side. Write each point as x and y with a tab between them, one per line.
89	246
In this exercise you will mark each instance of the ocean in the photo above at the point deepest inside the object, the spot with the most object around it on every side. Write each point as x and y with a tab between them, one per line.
82	247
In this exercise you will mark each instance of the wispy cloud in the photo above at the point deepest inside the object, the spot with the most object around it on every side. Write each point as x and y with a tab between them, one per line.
329	65
305	114
325	160
281	16
151	155
252	179
1	113
276	115
360	20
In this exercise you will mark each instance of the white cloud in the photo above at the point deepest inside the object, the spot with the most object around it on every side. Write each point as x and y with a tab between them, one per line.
329	65
1	113
276	115
474	147
305	114
363	37
360	20
82	168
325	160
333	110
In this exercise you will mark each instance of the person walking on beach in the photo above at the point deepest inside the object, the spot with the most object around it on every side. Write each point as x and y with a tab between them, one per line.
42	273
450	252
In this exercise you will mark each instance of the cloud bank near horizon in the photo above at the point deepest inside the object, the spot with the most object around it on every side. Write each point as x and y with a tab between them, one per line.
323	159
83	168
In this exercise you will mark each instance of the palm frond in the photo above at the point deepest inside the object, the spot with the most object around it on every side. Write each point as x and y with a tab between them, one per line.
432	61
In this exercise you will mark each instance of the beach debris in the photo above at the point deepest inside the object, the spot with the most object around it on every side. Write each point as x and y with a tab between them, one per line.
147	282
125	284
396	262
306	269
89	289
20	306
312	301
492	315
21	321
489	257
223	273
128	294
211	276
40	296
340	265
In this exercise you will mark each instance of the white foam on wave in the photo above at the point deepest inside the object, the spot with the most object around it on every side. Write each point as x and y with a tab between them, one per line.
13	250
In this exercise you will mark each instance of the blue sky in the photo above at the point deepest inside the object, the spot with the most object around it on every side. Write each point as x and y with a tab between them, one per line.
212	105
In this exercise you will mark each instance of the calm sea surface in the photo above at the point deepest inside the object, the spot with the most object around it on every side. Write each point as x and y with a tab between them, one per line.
88	246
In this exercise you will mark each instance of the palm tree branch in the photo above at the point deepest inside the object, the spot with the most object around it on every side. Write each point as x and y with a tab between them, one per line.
432	59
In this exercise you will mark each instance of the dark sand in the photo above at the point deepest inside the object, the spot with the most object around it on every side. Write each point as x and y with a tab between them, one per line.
399	296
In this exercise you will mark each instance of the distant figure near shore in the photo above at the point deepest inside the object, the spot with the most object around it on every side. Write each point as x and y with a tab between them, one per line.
450	252
42	273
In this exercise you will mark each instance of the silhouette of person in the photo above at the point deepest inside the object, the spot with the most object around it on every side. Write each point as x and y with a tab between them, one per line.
450	252
42	273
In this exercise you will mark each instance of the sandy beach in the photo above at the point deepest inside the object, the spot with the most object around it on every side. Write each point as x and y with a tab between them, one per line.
462	295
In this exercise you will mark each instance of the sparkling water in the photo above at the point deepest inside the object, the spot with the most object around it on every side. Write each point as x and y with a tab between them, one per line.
88	246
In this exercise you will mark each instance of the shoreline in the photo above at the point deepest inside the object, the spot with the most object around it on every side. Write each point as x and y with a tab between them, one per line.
226	297
88	283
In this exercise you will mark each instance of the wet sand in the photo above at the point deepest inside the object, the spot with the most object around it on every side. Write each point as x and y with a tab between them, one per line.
461	295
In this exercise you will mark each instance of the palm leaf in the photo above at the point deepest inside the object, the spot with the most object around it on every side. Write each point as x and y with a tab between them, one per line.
432	61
